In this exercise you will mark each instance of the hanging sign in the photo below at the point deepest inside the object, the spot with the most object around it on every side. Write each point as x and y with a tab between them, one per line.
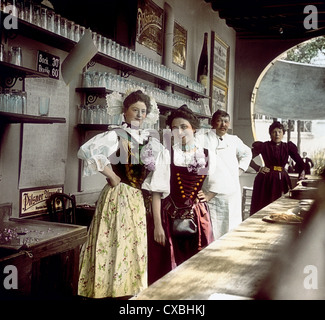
49	64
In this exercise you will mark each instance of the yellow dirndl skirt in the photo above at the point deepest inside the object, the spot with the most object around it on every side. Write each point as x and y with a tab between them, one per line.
113	260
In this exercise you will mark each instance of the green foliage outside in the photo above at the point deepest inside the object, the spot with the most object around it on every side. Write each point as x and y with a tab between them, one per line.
305	52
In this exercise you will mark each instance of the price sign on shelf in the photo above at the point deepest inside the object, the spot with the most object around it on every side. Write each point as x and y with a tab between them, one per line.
49	64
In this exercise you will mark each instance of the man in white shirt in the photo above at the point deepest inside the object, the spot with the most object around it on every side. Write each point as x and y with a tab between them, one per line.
231	159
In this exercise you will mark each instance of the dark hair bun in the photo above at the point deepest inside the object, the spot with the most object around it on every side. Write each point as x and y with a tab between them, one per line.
276	124
186	113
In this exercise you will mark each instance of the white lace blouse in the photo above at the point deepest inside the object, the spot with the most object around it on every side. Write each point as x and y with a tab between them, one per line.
96	151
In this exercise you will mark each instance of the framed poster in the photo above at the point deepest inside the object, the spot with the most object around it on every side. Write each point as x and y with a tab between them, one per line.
33	200
150	20
179	45
219	97
219	59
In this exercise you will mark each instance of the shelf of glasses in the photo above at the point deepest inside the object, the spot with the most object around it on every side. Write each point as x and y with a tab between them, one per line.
55	40
128	69
95	127
93	92
9	117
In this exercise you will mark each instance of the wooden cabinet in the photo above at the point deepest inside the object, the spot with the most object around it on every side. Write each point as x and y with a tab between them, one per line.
45	255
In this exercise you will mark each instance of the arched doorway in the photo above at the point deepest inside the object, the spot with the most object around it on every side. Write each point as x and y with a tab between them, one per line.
294	94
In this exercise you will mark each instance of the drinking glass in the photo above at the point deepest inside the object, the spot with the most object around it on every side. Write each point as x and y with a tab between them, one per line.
82	31
5	99
44	106
81	114
20	9
2	52
70	30
28	11
24	101
43	17
99	42
96	75
16	56
109	47
37	15
104	45
113	49
102	79
64	27
57	24
86	81
117	51
50	20
90	114
76	32
103	114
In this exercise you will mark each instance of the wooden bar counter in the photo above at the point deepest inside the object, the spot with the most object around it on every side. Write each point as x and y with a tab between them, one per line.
235	264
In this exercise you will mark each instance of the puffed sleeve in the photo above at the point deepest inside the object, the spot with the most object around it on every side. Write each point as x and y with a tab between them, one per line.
158	180
95	152
256	150
294	154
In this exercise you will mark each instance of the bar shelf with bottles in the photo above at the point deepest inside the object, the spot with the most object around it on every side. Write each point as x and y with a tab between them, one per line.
50	28
100	92
99	84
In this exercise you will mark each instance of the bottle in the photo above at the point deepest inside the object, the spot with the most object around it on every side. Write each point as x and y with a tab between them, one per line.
202	72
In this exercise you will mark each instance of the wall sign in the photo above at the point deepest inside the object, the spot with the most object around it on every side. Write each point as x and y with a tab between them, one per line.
179	45
49	64
219	97
150	25
33	200
219	69
219	59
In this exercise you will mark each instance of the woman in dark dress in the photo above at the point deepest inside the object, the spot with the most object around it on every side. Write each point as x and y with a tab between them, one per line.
272	180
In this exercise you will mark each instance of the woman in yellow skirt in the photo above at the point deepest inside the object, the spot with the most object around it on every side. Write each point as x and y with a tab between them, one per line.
113	260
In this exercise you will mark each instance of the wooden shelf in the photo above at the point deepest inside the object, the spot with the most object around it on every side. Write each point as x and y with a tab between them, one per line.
94	90
8	117
145	75
52	39
42	35
101	92
10	73
9	68
95	127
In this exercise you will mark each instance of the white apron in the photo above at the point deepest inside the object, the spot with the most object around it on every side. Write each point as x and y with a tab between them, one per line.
230	155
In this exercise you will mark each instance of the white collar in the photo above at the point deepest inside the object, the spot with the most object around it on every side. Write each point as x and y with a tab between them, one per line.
138	135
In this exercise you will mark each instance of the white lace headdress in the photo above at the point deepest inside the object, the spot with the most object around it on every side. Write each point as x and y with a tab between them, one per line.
115	100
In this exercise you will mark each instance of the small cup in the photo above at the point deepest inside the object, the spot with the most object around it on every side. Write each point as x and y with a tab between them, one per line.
44	106
2	53
16	56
